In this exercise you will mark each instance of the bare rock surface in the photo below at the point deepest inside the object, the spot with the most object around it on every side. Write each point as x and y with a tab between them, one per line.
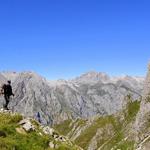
86	96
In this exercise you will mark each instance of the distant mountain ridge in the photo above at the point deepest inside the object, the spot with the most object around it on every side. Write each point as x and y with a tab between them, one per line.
85	96
128	129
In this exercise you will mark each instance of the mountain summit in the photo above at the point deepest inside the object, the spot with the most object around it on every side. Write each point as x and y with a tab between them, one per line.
93	77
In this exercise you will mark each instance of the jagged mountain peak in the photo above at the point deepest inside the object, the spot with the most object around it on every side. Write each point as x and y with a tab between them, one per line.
93	76
29	73
94	73
88	95
92	94
10	75
29	76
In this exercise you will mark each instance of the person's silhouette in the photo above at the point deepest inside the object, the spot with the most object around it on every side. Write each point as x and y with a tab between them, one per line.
7	91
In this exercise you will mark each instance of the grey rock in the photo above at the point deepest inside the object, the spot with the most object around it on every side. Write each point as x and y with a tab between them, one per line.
51	145
142	120
2	110
27	125
10	75
86	96
2	79
49	131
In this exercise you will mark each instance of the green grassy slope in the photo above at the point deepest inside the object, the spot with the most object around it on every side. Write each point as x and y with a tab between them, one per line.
109	131
10	139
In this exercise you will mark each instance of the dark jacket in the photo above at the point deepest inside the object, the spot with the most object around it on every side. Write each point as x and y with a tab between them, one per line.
7	89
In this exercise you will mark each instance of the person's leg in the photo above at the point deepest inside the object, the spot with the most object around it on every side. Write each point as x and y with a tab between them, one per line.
6	101
5	97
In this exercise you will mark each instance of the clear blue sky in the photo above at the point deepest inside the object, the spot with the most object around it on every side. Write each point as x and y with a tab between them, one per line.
65	38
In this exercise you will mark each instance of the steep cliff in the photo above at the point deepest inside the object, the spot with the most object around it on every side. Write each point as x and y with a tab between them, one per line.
142	123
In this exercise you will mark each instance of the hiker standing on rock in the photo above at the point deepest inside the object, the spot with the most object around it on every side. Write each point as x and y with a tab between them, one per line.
7	91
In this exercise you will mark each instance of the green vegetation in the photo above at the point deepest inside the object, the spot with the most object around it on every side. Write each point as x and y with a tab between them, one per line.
84	139
65	147
16	141
121	130
64	127
131	110
113	129
10	139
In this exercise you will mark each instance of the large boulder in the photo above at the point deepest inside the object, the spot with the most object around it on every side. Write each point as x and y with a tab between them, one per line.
27	125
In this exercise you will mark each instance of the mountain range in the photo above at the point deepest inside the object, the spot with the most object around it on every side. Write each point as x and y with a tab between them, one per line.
88	95
127	129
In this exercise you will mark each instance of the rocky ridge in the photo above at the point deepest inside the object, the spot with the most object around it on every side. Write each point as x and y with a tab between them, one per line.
86	96
111	132
142	125
126	129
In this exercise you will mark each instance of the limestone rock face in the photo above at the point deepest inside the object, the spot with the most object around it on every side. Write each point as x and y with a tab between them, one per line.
146	92
2	79
86	96
10	75
27	125
141	125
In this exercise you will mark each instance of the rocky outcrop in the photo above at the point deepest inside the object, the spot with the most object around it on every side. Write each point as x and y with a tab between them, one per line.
103	133
146	92
142	122
28	126
141	127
